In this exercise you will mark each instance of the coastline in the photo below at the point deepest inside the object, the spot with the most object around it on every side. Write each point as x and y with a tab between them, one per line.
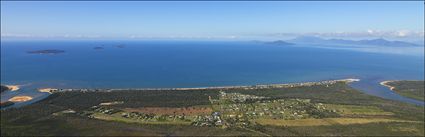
52	90
12	87
47	90
384	83
20	99
258	86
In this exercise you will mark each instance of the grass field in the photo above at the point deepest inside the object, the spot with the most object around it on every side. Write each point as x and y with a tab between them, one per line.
369	129
327	121
349	110
195	110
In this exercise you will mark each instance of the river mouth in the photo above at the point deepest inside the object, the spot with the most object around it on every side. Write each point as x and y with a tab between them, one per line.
25	95
373	87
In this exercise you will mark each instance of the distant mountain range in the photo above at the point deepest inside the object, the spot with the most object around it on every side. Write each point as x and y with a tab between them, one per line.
317	40
280	42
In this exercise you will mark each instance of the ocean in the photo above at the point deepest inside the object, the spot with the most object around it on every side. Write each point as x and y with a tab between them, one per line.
164	64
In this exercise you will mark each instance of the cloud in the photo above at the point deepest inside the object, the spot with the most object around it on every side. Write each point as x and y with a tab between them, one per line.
183	37
66	36
372	33
360	34
16	35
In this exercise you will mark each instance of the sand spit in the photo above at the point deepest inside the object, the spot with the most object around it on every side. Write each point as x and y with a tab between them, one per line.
385	83
48	90
12	87
20	98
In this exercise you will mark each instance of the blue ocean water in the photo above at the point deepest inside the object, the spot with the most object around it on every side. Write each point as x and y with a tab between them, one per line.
160	64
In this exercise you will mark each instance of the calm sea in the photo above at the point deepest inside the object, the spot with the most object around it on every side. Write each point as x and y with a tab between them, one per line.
154	64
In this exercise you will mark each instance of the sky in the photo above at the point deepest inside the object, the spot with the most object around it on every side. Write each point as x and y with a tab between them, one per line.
210	19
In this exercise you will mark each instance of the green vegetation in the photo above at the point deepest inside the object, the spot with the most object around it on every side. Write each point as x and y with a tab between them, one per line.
3	88
132	99
369	129
327	121
411	89
349	110
328	109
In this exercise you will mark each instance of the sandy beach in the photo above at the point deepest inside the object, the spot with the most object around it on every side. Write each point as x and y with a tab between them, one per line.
48	90
12	87
20	98
384	83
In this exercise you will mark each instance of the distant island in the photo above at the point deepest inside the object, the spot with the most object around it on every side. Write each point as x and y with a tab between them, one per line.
98	48
48	51
280	42
120	46
374	42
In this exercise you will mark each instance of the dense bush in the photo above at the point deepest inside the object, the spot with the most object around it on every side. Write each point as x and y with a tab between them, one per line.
3	88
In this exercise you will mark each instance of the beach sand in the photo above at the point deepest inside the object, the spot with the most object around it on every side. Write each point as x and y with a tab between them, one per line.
12	87
384	83
48	90
20	98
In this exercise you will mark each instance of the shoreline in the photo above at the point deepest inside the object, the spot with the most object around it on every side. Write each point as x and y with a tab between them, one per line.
17	99
384	83
12	87
258	86
47	90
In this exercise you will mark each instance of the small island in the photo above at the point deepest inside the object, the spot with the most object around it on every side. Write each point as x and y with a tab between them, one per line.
120	46
98	48
280	43
48	51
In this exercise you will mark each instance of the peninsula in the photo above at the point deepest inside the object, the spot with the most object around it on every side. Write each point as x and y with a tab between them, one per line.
411	89
9	88
3	88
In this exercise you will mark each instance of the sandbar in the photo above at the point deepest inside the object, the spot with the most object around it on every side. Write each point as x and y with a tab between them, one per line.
384	83
48	90
20	98
12	87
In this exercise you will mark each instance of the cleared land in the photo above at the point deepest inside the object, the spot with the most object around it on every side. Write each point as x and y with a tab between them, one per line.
349	110
327	121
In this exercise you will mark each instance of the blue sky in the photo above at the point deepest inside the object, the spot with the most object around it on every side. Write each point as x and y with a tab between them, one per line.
210	19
